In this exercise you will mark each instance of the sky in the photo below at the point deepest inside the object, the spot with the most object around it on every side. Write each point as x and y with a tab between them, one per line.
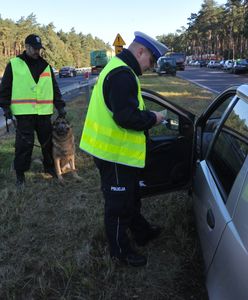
105	19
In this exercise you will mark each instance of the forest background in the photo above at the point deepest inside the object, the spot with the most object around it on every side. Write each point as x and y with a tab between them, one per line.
219	30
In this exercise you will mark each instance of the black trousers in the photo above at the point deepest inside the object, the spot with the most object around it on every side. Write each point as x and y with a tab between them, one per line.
120	187
27	125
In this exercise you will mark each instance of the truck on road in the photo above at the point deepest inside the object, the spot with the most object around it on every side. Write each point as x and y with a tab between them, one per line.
99	59
180	59
166	65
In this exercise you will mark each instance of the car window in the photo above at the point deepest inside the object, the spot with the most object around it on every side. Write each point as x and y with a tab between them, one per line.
217	114
230	148
212	123
169	127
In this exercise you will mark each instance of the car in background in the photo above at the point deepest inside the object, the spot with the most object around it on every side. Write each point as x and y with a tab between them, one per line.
208	156
217	64
180	58
67	72
166	65
201	63
228	65
222	62
211	63
239	66
214	64
191	62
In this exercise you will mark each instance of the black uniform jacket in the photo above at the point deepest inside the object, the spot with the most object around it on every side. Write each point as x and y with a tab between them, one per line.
120	91
36	67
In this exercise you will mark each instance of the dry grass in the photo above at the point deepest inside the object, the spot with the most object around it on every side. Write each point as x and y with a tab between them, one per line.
183	93
53	244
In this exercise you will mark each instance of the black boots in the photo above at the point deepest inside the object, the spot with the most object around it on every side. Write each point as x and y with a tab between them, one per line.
20	179
133	258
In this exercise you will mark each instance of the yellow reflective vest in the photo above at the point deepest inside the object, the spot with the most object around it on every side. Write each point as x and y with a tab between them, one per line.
29	97
102	137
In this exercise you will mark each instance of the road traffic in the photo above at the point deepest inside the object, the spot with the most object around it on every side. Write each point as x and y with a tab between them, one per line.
211	79
214	80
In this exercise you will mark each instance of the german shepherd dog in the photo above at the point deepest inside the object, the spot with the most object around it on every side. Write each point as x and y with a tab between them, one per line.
63	148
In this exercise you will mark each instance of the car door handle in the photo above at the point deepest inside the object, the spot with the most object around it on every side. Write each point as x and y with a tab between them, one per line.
210	218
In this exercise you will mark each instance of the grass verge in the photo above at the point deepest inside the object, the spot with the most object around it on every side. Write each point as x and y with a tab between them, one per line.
53	244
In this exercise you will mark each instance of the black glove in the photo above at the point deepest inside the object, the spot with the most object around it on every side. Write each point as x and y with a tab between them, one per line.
61	112
7	113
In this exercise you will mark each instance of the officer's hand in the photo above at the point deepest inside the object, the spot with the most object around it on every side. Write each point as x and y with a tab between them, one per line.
7	113
61	112
159	117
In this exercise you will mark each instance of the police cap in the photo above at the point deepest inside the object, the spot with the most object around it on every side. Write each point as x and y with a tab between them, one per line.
157	49
34	41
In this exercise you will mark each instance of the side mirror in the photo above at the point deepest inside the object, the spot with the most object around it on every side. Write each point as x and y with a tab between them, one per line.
172	124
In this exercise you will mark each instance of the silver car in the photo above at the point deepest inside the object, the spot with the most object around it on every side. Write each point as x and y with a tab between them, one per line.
209	157
228	65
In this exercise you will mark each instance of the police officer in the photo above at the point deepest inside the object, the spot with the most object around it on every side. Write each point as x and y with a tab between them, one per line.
29	92
114	134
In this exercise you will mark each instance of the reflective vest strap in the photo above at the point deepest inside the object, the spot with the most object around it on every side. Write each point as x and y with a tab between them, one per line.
112	148
23	101
113	153
45	74
115	134
28	101
45	101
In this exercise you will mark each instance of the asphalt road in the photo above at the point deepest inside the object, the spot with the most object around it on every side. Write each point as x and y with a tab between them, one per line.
212	79
67	83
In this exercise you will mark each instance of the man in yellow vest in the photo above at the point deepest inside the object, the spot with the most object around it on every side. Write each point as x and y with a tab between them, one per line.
114	133
29	91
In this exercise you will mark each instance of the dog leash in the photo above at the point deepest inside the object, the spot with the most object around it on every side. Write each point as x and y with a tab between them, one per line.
7	124
23	137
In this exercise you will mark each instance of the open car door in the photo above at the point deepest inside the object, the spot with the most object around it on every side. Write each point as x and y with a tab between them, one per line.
169	147
173	148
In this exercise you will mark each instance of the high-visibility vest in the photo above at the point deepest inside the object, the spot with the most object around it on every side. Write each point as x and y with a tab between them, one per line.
29	97
102	137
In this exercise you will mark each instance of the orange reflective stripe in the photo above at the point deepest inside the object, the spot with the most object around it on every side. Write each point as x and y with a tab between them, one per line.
32	101
45	74
45	101
23	101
